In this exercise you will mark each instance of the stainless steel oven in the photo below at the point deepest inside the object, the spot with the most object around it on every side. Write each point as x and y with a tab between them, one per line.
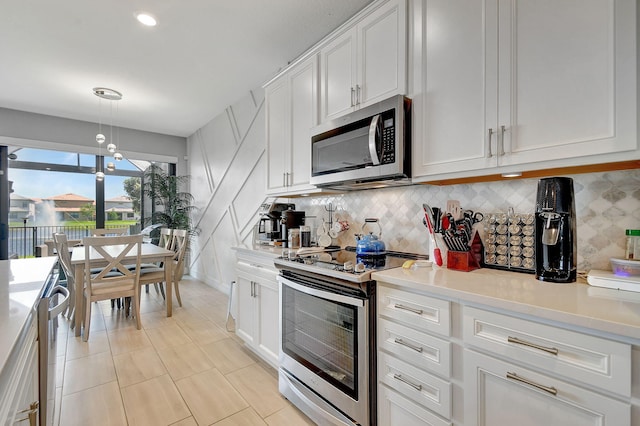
326	363
328	334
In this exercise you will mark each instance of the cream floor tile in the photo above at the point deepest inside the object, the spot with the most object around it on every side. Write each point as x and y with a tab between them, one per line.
168	335
156	319
154	402
204	332
184	360
97	343
258	388
246	417
227	355
188	314
86	372
289	416
138	366
118	321
128	340
100	405
190	421
210	397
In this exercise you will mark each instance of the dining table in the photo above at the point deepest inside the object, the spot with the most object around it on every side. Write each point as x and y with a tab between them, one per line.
149	253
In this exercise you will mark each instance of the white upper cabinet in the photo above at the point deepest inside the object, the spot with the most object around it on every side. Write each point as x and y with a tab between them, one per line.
366	63
291	111
519	85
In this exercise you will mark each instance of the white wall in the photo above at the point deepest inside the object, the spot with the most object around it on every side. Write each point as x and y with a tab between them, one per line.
227	169
25	129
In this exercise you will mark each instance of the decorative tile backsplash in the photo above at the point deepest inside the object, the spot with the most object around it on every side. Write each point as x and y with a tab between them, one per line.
606	205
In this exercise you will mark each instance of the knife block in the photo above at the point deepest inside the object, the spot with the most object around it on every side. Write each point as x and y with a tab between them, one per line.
466	260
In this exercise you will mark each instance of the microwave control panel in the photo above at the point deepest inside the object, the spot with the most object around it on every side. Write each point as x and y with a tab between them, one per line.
388	151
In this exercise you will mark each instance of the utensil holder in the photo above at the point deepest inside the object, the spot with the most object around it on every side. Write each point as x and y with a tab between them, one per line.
466	260
510	241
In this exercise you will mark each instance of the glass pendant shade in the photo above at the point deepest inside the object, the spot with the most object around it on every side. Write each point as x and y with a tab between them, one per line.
111	148
117	156
110	166
100	138
99	176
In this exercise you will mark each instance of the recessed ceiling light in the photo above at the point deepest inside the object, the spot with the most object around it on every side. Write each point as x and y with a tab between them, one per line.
146	19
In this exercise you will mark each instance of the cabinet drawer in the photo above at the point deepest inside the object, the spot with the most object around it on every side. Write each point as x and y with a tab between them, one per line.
395	409
427	390
501	393
592	360
415	310
257	272
420	349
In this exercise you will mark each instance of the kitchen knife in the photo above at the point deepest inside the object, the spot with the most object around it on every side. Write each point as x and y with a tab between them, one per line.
429	219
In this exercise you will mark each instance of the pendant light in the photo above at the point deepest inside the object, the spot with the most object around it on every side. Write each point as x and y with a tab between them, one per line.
111	95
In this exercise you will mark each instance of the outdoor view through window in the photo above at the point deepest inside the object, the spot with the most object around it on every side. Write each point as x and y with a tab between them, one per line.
54	191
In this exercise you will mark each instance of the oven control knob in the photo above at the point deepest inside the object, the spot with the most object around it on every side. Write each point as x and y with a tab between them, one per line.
348	266
359	267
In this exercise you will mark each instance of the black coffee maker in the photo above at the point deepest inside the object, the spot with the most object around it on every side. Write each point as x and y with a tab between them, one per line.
556	251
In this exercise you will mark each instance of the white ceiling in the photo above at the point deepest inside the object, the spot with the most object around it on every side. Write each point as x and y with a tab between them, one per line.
201	57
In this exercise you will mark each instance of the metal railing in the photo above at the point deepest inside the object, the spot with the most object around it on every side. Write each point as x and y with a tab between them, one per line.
23	240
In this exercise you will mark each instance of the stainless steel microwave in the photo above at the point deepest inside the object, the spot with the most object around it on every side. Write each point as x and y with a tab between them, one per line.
368	148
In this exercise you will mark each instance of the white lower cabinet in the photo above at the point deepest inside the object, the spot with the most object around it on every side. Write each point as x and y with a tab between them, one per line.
257	307
19	385
501	393
446	362
395	409
414	359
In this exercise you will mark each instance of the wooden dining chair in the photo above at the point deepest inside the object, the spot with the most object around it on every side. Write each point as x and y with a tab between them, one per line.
179	242
114	279
64	260
164	242
110	232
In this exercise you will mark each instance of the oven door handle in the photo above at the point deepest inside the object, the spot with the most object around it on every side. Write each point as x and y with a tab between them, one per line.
321	293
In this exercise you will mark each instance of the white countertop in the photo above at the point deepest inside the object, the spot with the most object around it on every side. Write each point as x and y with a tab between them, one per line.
21	283
578	304
262	250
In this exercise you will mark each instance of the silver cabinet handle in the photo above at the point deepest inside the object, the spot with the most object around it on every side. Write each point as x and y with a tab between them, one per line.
407	308
548	389
517	341
408	345
353	92
408	382
284	179
253	294
357	94
489	153
501	141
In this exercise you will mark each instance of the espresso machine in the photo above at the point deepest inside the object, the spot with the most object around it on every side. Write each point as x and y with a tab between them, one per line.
556	251
269	229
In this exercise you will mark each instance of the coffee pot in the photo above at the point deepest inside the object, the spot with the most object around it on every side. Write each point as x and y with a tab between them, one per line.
556	251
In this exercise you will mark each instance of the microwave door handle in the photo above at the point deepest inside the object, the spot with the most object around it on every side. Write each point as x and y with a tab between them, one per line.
373	132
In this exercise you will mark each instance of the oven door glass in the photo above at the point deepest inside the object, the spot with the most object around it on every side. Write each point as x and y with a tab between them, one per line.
321	334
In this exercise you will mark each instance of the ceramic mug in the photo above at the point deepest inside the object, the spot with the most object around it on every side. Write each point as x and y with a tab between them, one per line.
340	225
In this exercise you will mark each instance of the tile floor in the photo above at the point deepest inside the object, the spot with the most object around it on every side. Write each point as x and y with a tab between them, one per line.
183	370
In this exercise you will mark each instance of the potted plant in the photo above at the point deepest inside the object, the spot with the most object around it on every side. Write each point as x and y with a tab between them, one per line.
172	207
